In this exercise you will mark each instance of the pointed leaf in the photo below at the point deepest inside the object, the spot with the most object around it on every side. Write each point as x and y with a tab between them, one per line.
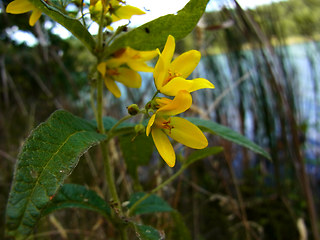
48	156
147	233
73	25
150	205
154	34
202	153
136	150
229	134
77	196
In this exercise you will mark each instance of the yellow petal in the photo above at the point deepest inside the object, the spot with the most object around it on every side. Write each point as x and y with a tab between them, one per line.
160	73
179	104
200	83
185	63
168	50
126	12
187	133
161	69
128	77
140	55
150	123
139	66
112	86
19	6
147	55
175	85
102	68
114	62
115	18
163	101
179	83
36	14
163	146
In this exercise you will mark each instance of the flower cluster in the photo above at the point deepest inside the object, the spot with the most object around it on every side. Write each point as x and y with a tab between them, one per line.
170	79
123	68
114	11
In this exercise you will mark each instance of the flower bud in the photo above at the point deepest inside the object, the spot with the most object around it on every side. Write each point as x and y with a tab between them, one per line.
139	128
133	109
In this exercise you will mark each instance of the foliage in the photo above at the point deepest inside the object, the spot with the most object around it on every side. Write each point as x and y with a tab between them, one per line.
196	199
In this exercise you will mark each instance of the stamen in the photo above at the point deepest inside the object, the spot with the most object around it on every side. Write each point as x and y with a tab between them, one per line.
166	125
171	76
112	72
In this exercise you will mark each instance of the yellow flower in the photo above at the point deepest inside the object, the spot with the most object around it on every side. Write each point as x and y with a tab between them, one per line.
170	77
123	11
116	11
162	124
123	68
134	59
23	6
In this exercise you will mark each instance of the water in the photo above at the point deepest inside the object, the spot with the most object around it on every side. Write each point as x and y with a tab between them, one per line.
248	97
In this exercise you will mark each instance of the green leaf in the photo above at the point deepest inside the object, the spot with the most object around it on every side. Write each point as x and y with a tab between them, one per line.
73	25
77	196
136	150
109	122
48	156
147	233
154	34
229	134
150	205
202	153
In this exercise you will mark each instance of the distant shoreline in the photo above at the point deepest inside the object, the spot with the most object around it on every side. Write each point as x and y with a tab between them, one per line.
216	50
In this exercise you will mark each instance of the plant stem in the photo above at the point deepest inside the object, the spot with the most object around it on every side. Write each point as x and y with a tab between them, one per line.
110	176
100	104
117	124
92	89
104	145
154	95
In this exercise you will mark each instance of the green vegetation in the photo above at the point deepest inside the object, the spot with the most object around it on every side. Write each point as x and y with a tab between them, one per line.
284	22
229	190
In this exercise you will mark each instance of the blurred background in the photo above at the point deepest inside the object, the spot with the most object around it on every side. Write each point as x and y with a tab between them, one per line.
264	62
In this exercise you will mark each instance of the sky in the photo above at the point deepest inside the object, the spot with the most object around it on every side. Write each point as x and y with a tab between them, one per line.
153	9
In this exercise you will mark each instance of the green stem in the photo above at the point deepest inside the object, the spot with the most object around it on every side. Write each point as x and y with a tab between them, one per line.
100	104
110	176
117	124
169	180
92	88
154	95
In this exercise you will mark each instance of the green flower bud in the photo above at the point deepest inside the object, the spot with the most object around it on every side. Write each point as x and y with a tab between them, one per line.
152	104
133	109
139	128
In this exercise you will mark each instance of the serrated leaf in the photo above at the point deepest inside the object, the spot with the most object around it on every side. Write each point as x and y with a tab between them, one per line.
202	153
137	150
48	156
150	205
77	196
154	34
229	134
147	233
73	25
